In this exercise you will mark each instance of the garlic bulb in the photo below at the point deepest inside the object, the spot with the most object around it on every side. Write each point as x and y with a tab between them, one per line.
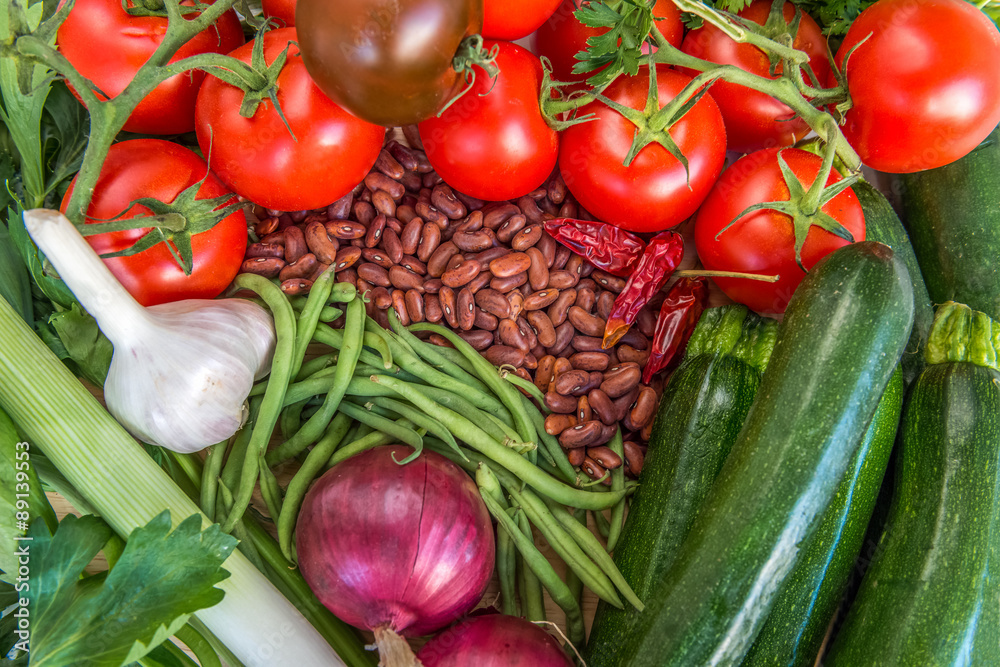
181	372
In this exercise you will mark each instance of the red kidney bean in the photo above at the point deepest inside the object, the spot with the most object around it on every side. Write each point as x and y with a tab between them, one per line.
634	457
265	250
504	285
595	471
562	256
384	203
461	274
378	181
584	322
437	263
646	322
381	297
560	307
403	154
388	165
340	209
587	343
604	457
647	431
510	264
392	245
431	214
399	305
465	306
583	411
562	279
564	336
527	237
409	239
604	303
542	327
543	375
474	241
516	301
509	334
295	244
488	255
404	279
500	355
319	242
449	306
376	256
556	423
405	212
571	382
608	281
576	456
643	410
558	403
432	308
485	320
624	403
499	214
413	264
346	230
430	239
603	407
541	299
432	286
530	208
634	338
414	305
374	274
590	361
269	267
445	200
472	223
296	286
346	257
629	353
482	341
538	270
621	379
493	302
510	228
584	434
320	269
348	275
274	238
479	282
585	298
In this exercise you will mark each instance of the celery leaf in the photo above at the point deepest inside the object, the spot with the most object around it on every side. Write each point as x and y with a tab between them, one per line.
112	618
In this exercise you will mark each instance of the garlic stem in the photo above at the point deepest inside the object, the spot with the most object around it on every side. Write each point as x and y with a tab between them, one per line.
117	313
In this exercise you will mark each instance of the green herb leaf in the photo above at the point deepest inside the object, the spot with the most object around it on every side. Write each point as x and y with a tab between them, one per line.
65	130
162	577
84	343
53	288
834	16
15	286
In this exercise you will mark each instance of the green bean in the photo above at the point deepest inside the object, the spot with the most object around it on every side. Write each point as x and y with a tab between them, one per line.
209	477
565	545
319	363
432	354
543	570
458	403
602	523
329	314
367	370
531	585
476	438
309	317
508	374
556	454
363	430
419	418
274	395
409	361
299	484
378	340
617	483
592	547
511	438
366	442
405	435
311	430
335	338
487	372
456	357
237	453
199	646
270	491
245	546
507	573
343	293
574	582
291	419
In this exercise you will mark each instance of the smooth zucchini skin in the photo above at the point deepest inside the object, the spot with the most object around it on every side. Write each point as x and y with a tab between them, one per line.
794	631
883	225
842	336
953	216
707	402
928	598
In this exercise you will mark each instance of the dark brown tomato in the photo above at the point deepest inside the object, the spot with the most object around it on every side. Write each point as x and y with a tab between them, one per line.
386	61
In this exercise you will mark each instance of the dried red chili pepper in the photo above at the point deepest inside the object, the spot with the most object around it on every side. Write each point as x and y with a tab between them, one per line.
607	247
678	316
662	255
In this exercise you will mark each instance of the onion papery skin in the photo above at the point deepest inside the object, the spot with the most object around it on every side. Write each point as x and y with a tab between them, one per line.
406	547
493	640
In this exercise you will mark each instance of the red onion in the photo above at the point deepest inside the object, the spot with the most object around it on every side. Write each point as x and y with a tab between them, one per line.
493	641
394	548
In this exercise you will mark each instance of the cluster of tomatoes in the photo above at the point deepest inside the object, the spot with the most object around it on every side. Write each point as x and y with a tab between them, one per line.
921	74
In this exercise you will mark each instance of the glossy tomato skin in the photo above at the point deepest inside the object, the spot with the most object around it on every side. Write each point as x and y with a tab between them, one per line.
514	19
386	61
763	242
108	46
160	169
563	36
651	194
493	143
282	10
331	152
755	120
925	85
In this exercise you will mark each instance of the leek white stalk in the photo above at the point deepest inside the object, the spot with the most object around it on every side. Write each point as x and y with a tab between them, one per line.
181	371
64	421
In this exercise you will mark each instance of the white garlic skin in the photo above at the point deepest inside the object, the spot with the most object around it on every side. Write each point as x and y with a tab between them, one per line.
183	382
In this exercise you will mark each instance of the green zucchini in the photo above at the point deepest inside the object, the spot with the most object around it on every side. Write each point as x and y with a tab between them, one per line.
794	631
930	597
953	216
883	225
702	411
842	336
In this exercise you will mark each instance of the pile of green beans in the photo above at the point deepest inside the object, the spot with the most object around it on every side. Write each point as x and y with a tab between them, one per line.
365	386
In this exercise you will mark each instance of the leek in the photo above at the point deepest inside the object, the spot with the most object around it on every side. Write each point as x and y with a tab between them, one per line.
65	422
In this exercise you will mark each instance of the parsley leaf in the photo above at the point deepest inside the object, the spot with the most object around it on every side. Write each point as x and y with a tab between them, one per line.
113	618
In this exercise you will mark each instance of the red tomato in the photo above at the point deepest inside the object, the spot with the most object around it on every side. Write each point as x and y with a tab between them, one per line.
160	169
331	152
108	46
651	194
764	242
925	84
563	36
493	143
283	10
755	120
514	19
